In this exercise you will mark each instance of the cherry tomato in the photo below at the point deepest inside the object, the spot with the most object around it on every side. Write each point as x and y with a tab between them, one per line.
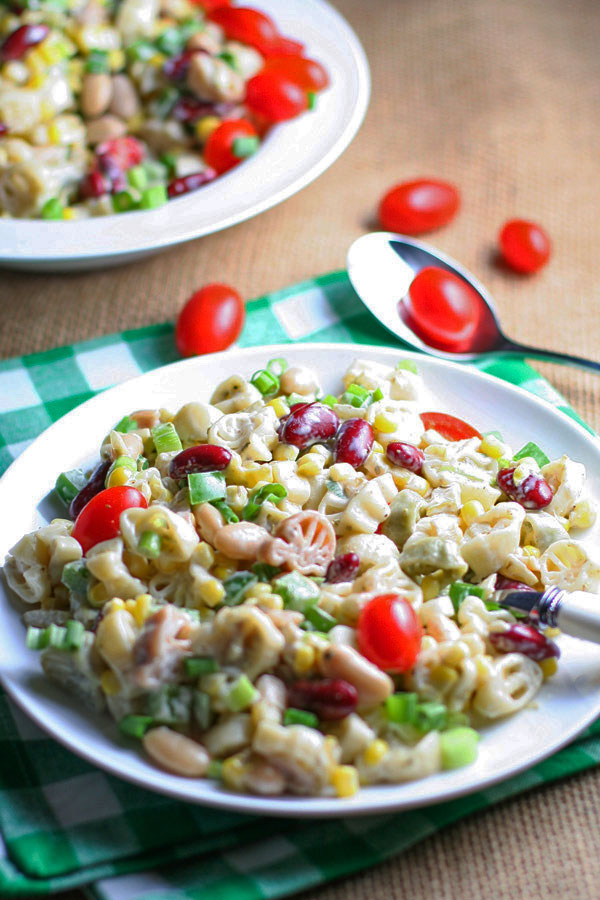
450	427
219	150
285	46
525	246
123	152
211	320
242	23
389	633
308	74
275	96
210	5
99	519
443	310
415	207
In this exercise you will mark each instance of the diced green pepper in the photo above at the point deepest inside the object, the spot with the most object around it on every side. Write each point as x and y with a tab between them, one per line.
166	439
68	485
532	450
236	586
460	589
76	577
206	487
196	666
135	726
242	694
321	620
401	708
300	717
297	591
458	747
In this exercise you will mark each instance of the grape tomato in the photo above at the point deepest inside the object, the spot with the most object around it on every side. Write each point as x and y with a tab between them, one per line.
308	74
275	96
443	310
525	246
450	427
416	207
99	519
220	148
389	633
211	320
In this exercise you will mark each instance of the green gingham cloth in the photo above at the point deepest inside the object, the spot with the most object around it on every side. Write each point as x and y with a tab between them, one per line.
64	823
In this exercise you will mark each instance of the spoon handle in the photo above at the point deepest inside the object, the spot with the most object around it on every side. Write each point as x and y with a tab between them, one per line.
548	355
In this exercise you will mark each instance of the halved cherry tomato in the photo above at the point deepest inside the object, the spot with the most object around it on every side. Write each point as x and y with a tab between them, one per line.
242	23
220	148
415	207
211	320
99	519
443	310
306	73
275	96
525	246
389	633
450	427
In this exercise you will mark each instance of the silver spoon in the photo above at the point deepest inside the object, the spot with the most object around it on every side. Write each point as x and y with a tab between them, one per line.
575	613
382	266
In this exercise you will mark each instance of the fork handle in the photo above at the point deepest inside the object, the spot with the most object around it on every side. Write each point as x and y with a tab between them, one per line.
576	613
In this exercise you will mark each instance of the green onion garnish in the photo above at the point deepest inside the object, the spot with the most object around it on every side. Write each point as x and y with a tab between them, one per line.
459	747
58	637
312	99
335	488
97	62
125	425
171	704
430	716
319	619
166	439
195	666
273	492
123	201
277	366
170	42
206	487
377	396
408	365
532	450
150	544
297	591
242	694
329	400
300	717
215	769
141	51
265	382
52	209
265	572
201	709
76	577
153	196
68	485
135	726
226	511
236	586
401	708
459	590
75	634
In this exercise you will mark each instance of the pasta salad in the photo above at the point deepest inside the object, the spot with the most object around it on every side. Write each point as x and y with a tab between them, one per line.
108	106
292	593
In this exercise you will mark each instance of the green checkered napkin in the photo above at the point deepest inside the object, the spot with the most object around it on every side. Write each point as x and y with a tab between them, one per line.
64	823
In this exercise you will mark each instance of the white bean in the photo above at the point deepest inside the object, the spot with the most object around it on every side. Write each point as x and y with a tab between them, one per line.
125	101
242	540
373	685
175	752
96	93
299	380
105	129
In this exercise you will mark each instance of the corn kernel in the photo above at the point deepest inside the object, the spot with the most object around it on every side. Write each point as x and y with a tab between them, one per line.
69	213
110	684
204	128
530	550
141	609
280	406
309	466
304	659
119	476
211	591
113	605
204	555
285	452
384	424
470	511
583	515
430	587
233	772
116	60
252	477
345	780
492	447
377	448
375	752
98	595
223	571
552	632
548	667
443	677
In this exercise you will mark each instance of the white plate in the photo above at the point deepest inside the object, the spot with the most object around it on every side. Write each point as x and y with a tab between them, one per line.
292	156
565	705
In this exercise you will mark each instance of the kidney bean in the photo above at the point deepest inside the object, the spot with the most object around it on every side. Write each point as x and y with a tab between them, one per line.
309	423
188	183
94	184
203	458
406	455
327	698
533	492
189	109
353	442
20	41
93	487
122	152
520	638
509	584
176	68
3	128
342	568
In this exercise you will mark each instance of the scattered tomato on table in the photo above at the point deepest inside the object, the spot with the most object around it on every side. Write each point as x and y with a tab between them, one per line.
525	246
416	207
211	320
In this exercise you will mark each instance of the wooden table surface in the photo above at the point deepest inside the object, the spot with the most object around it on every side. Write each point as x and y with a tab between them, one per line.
501	97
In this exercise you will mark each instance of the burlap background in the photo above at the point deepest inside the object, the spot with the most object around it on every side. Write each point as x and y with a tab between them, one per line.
500	96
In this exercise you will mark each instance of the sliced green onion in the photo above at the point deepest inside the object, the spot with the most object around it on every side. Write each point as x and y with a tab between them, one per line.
68	485
121	462
377	396
52	209
265	382
243	147
34	639
300	717
125	425
215	769
297	591
401	708
534	452
150	544
170	161
123	201
189	28
265	572
76	577
196	666
153	197
277	366
242	694
295	398
97	62
155	170
141	51
202	709
75	634
311	96
236	586
206	487
171	704
349	398
321	620
408	365
459	590
329	400
359	391
135	726
274	492
459	747
163	106
231	61
54	636
495	434
170	42
456	719
166	439
334	487
431	716
226	511
142	463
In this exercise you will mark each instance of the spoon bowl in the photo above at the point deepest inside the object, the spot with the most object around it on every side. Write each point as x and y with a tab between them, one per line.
382	266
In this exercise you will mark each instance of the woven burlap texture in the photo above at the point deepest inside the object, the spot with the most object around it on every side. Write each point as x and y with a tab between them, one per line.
501	96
